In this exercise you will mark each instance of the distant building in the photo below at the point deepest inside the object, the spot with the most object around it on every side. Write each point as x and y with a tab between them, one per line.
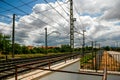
59	45
30	47
49	47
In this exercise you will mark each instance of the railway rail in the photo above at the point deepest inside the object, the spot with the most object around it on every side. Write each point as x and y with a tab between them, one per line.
7	68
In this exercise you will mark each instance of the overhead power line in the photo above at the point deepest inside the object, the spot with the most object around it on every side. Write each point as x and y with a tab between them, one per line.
14	7
17	6
44	15
31	15
87	37
5	16
5	10
51	8
24	4
27	13
62	7
79	17
27	4
56	10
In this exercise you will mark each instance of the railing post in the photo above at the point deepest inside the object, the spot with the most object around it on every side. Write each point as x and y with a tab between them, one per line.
16	72
49	63
65	60
95	62
76	56
105	74
105	69
119	59
73	57
70	57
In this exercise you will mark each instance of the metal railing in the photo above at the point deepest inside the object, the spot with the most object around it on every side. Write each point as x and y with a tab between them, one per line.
48	63
53	70
104	74
97	61
7	68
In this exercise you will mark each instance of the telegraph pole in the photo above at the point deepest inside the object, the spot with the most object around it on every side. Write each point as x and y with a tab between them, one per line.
71	26
13	36
117	45
96	56
46	40
92	56
83	43
99	46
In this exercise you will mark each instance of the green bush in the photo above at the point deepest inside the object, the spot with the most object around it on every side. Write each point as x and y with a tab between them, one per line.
86	58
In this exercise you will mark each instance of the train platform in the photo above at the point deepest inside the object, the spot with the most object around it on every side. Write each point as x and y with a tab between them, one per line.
34	74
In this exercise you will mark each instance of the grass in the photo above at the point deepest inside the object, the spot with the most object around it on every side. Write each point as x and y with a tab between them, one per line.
9	56
86	58
86	61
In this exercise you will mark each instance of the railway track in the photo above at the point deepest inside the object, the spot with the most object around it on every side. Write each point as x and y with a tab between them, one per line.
7	68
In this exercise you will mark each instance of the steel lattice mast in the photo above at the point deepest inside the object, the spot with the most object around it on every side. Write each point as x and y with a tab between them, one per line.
71	25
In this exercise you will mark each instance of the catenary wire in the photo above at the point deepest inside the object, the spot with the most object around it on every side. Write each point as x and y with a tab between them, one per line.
17	6
44	15
62	7
56	10
27	13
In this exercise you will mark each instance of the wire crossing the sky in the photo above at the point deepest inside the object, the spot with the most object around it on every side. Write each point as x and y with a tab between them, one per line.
56	10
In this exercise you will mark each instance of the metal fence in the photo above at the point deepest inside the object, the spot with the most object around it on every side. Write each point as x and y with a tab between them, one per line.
91	64
98	60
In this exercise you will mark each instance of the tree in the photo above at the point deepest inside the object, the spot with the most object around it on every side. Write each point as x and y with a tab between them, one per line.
107	48
18	48
25	50
56	49
5	43
65	48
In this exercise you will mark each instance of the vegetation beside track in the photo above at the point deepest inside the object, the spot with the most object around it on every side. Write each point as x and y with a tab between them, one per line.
86	61
9	56
87	58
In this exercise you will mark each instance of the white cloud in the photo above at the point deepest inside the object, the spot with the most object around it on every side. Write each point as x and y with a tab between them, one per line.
5	28
113	12
30	28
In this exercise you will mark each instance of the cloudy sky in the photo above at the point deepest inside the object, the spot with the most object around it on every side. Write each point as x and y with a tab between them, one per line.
100	19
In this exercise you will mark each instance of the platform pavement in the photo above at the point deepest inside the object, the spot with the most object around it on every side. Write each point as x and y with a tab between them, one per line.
40	73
